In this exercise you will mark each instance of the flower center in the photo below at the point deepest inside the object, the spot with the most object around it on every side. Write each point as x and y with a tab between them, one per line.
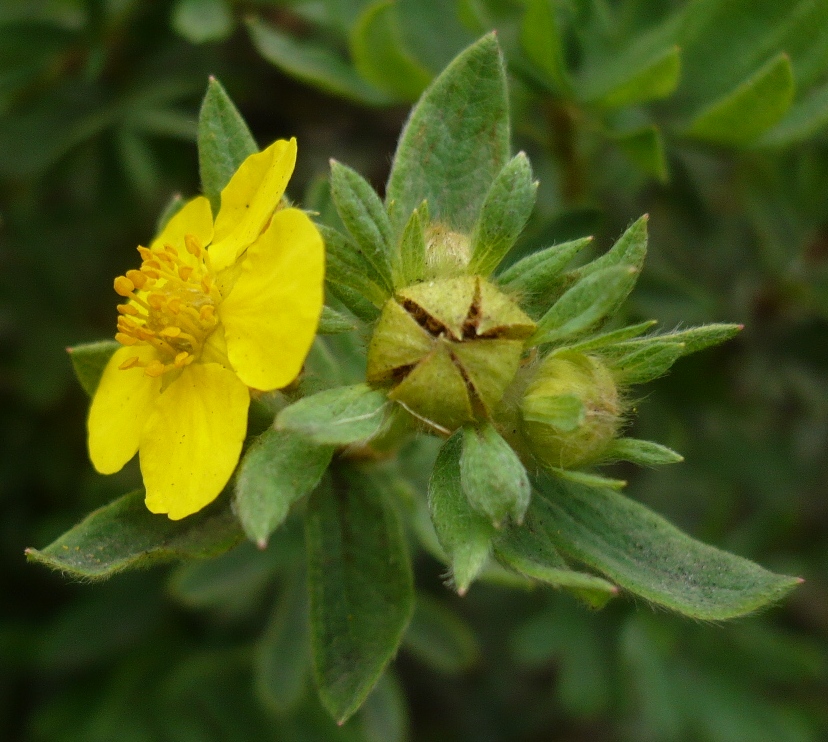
172	306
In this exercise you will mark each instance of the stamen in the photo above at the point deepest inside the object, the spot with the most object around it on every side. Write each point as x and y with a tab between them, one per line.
185	271
155	369
127	309
124	339
183	359
138	279
157	301
130	363
207	313
193	245
170	332
123	286
174	305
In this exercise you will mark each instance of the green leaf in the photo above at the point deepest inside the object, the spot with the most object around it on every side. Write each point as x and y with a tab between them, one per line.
411	265
363	214
540	36
645	149
440	639
334	323
649	557
597	342
384	715
89	361
379	55
528	549
693	339
281	467
506	209
455	142
465	535
347	267
752	108
125	535
804	119
584	305
646	363
566	412
635	76
630	249
224	142
282	661
360	586
588	479
199	21
492	476
643	453
337	417
314	64
536	277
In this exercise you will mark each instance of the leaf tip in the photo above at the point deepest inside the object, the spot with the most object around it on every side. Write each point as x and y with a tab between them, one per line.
261	543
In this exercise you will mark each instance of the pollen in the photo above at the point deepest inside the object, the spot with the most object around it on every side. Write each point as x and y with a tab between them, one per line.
171	305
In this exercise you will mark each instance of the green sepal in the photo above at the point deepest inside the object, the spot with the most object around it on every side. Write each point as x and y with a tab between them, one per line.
750	109
629	249
282	660
464	534
587	479
347	266
649	557
490	367
566	412
505	211
646	362
125	535
694	339
380	57
281	467
448	300
440	639
542	42
89	361
336	417
360	586
410	265
332	322
585	304
492	477
362	212
610	338
643	453
224	142
455	141
398	341
314	63
529	550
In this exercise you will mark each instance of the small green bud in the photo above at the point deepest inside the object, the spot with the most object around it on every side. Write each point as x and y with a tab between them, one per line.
448	349
447	252
570	411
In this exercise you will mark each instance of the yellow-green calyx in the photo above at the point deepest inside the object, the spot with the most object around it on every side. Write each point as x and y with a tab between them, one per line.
448	349
570	411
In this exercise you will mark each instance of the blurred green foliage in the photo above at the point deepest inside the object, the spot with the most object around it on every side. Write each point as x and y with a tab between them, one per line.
708	114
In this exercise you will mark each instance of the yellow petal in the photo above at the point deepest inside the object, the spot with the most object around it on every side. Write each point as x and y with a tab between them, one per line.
195	218
272	311
192	441
120	408
249	199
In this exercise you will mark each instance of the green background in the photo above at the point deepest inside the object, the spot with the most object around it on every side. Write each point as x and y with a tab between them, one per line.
687	111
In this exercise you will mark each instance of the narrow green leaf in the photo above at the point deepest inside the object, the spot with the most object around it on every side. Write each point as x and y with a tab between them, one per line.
597	342
528	549
645	149
649	557
693	339
492	476
224	142
566	412
360	585
536	278
587	479
629	249
336	417
804	119
125	535
347	266
200	21
506	209
752	108
455	142
362	212
314	64
282	661
380	57
633	77
440	639
334	323
584	305
281	467
465	535
89	361
646	363
540	36
411	265
643	453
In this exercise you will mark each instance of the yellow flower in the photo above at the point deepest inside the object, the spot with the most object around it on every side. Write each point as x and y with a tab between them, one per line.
216	309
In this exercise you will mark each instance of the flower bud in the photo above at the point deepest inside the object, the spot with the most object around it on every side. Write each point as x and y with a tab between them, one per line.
448	349
570	410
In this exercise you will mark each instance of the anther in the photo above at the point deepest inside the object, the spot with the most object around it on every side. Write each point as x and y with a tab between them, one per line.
171	250
206	283
207	313
138	279
192	244
123	286
181	359
130	363
144	252
170	332
174	305
185	271
156	301
127	309
124	339
150	273
155	369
